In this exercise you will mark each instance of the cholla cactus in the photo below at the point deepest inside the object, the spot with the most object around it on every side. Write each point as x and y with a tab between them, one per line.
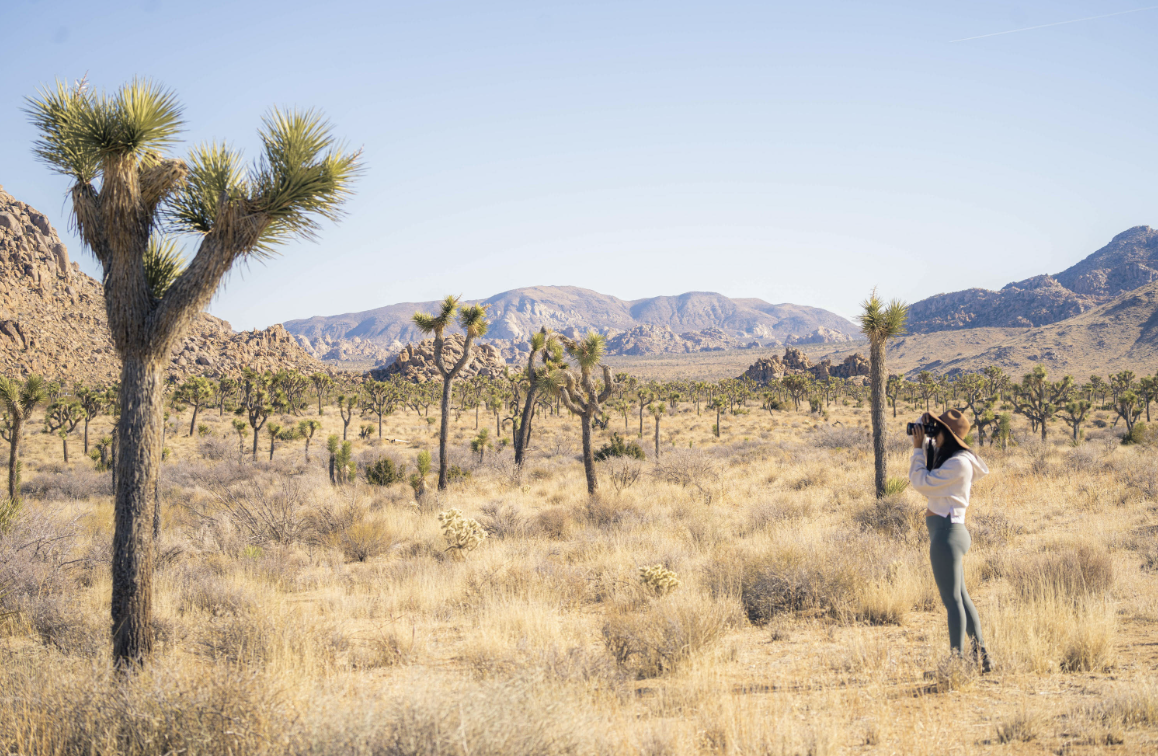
461	534
659	579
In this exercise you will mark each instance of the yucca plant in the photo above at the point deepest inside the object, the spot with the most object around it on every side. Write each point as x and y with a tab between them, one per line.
126	188
880	322
473	321
582	394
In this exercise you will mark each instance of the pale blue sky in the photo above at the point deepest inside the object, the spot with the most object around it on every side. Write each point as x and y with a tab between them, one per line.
789	151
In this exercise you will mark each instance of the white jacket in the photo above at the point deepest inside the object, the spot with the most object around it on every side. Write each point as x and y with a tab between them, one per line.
947	487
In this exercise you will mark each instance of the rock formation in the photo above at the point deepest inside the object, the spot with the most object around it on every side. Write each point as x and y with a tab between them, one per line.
415	363
854	367
52	317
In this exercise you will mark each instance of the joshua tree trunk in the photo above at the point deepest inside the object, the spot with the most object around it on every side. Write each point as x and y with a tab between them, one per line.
523	432
589	455
14	459
137	460
444	432
86	419
193	422
657	436
877	399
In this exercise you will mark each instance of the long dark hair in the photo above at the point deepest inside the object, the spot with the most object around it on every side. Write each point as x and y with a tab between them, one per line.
939	455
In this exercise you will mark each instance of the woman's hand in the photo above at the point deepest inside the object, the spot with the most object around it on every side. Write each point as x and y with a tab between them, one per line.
919	433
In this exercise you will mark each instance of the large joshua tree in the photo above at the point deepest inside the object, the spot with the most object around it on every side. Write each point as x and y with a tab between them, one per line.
126	188
473	321
539	379
582	394
880	322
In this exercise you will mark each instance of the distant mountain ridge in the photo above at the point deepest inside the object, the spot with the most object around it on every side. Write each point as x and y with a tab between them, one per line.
516	314
1128	262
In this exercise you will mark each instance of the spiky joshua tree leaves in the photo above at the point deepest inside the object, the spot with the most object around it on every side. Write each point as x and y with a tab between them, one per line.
582	394
880	322
126	189
473	321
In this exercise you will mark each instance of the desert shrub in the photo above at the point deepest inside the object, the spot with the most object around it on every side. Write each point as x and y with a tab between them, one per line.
1046	634
1020	727
504	521
659	640
840	437
658	580
275	514
365	432
68	485
993	528
364	539
618	447
457	474
954	672
383	472
1067	573
553	522
216	449
690	468
893	516
846	576
203	430
201	590
895	486
605	513
1136	435
9	511
623	472
462	534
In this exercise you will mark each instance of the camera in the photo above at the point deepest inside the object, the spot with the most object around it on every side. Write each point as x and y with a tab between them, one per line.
931	429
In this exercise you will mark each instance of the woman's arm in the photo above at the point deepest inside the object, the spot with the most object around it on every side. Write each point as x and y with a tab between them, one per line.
942	481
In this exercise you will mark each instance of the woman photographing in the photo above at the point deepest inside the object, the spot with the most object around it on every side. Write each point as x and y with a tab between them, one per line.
944	472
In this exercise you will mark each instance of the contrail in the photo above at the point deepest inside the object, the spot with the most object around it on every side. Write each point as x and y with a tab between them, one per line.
1056	23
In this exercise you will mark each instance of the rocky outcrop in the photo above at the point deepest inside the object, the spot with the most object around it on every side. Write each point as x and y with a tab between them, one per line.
1129	261
650	339
415	363
53	323
794	362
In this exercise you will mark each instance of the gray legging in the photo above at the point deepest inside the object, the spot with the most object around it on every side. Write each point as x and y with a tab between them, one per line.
948	544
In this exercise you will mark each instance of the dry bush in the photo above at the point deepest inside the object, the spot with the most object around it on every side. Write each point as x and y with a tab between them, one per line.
622	472
660	639
554	523
159	710
1048	634
76	484
1021	727
606	513
505	520
840	437
267	511
201	590
1069	572
894	516
953	672
690	468
365	539
215	449
993	528
846	576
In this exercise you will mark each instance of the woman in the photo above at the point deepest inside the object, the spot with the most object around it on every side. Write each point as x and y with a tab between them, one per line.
944	474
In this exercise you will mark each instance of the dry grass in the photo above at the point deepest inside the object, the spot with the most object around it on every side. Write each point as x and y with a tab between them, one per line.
297	618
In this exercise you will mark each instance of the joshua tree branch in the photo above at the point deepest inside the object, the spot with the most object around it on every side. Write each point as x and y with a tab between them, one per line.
159	181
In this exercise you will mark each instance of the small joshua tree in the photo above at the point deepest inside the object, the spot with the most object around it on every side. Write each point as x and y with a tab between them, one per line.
473	322
480	443
346	405
462	534
18	400
322	383
242	429
343	468
61	418
880	322
582	395
306	430
418	479
658	579
656	409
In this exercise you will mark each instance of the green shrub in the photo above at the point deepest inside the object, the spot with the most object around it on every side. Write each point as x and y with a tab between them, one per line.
383	472
620	448
1137	435
203	430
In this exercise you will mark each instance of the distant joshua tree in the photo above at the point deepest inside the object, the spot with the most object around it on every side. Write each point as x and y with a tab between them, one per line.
197	392
322	384
473	322
880	322
124	186
582	395
656	409
18	400
539	380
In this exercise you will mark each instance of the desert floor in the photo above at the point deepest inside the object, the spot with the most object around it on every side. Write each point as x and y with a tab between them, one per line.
299	617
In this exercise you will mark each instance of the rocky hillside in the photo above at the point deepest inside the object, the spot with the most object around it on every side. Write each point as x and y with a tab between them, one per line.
52	316
1130	260
516	314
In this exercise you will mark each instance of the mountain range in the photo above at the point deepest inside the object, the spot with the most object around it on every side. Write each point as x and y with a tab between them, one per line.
695	321
1129	261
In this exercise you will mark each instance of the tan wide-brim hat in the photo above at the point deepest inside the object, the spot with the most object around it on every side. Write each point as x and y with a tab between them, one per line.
956	424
